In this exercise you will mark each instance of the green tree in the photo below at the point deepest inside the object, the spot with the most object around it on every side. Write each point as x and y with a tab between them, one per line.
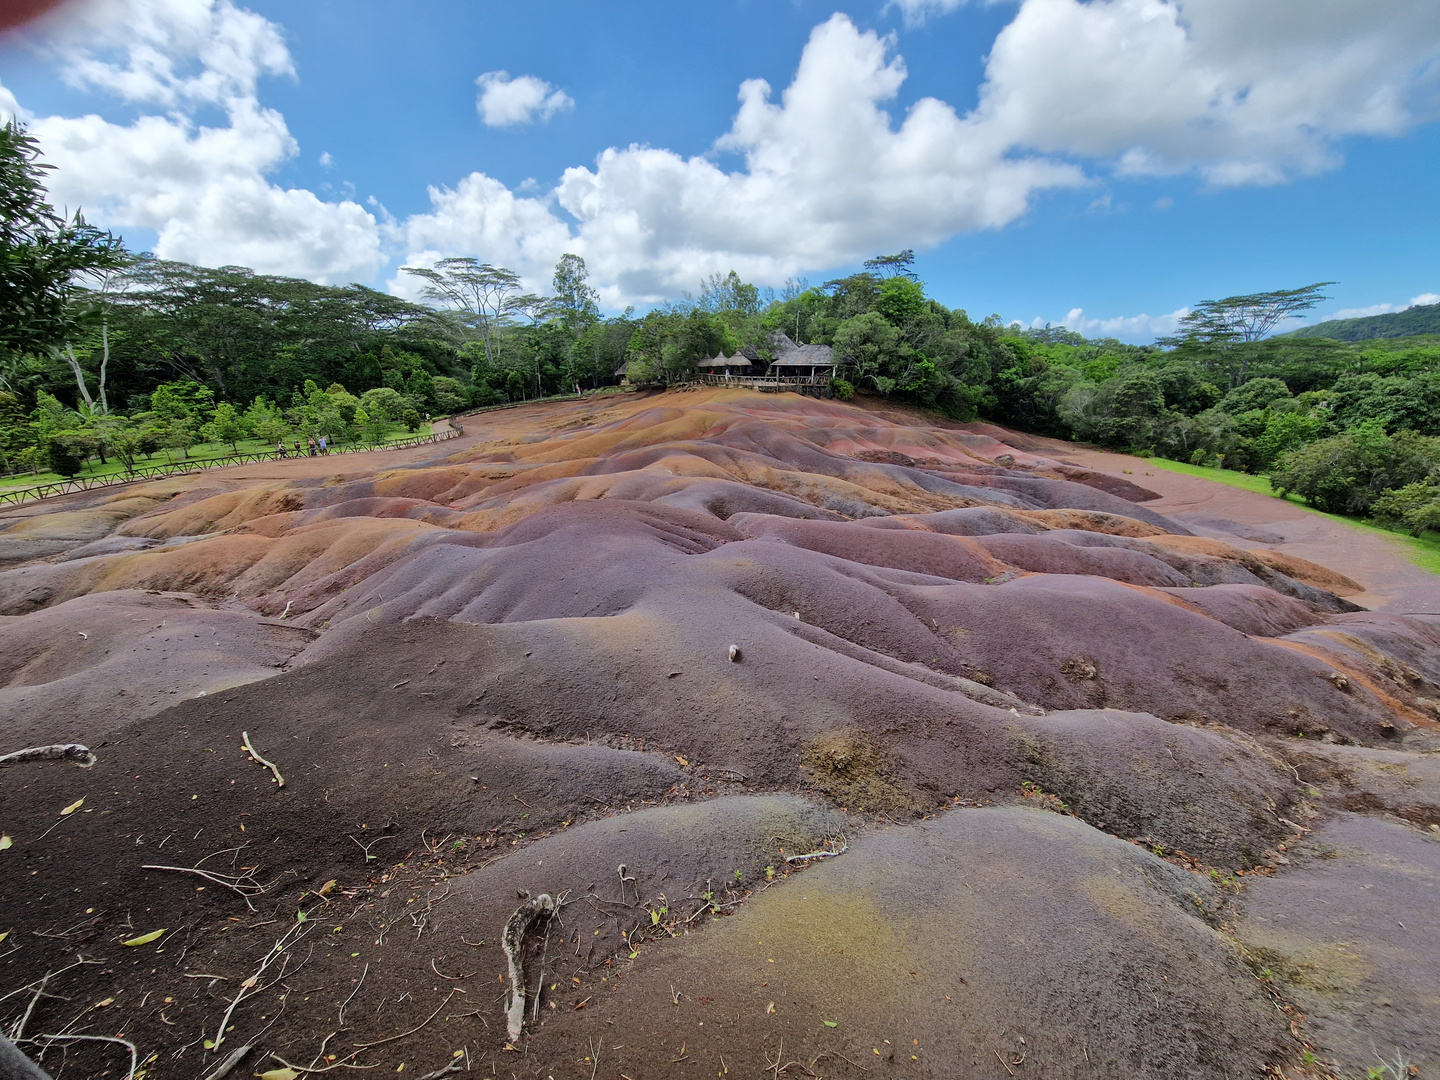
45	259
576	302
1415	508
264	420
382	402
226	425
1348	473
486	296
1224	333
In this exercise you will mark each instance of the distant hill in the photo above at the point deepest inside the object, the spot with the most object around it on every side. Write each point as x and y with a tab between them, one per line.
1422	319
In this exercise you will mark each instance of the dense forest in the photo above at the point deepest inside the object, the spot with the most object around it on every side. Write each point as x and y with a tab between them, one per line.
112	355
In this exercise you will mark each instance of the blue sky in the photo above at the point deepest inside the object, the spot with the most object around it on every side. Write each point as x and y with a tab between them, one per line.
1102	163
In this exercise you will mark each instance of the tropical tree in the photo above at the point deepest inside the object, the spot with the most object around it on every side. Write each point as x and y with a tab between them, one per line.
1224	332
45	259
226	425
485	294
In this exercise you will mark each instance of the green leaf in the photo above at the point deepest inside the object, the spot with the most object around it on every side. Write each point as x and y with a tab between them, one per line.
829	1023
144	939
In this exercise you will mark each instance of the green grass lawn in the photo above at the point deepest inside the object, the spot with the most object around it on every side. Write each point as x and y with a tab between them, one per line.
198	452
1423	551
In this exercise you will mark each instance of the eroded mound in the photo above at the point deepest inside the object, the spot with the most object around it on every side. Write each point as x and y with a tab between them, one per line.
693	635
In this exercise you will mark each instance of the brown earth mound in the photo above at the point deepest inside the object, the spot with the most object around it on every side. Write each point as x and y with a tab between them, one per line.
636	654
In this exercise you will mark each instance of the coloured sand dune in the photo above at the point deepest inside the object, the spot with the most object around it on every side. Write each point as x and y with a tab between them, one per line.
846	741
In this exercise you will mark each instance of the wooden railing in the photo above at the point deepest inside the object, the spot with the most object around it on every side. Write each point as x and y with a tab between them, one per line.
818	385
16	496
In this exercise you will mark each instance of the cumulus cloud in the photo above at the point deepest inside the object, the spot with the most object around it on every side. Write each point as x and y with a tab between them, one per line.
204	190
1216	88
507	102
828	177
819	174
1243	93
172	53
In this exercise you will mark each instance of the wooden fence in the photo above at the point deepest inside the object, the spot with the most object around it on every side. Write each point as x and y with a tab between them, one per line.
17	496
814	385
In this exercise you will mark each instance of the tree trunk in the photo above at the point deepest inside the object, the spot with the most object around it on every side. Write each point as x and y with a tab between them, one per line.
79	377
104	361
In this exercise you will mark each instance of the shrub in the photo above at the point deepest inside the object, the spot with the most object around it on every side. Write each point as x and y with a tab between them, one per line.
842	389
411	419
1415	508
1346	474
65	457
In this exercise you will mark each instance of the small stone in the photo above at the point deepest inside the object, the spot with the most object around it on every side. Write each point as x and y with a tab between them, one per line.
735	654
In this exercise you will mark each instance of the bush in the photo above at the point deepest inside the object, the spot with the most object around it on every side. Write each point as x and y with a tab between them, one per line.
842	389
65	457
1348	473
411	419
1415	508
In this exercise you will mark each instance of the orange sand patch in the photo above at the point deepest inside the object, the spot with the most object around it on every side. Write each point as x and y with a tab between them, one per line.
1092	521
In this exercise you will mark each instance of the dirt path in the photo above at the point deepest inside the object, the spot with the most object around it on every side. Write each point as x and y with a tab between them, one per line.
1244	518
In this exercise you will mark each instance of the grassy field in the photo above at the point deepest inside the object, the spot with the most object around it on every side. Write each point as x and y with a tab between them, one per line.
1423	551
198	452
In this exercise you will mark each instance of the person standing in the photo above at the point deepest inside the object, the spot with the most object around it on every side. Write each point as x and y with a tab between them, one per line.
324	445
310	445
280	448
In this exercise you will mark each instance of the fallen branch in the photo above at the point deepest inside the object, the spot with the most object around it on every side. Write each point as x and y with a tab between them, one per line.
134	1054
455	1066
353	993
244	884
822	854
537	907
223	1069
255	754
81	755
341	1064
253	982
18	1031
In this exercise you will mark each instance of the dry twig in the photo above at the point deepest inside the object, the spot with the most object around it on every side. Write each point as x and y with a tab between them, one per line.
134	1054
412	1031
255	754
244	885
223	1069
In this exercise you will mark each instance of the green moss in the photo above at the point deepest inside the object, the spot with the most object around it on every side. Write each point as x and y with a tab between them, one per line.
1423	551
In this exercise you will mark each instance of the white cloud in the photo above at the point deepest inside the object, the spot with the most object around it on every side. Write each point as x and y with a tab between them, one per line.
326	160
821	174
204	190
1137	328
167	52
828	178
480	216
507	102
1243	93
1383	309
10	108
1214	87
916	12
